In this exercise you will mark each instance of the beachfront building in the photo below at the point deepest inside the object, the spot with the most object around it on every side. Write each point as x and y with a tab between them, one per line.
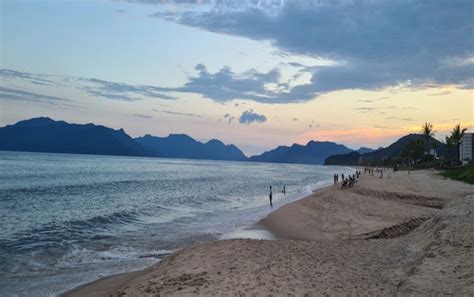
466	150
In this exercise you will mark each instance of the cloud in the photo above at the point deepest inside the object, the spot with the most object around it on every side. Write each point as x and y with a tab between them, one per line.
33	78
142	116
400	119
441	93
178	113
364	109
226	85
92	86
367	109
229	118
22	95
123	91
376	43
248	117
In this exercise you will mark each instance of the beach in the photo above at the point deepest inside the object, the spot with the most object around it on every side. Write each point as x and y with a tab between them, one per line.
409	233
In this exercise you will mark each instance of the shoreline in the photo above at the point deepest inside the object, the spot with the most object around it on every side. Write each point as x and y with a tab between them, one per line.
383	236
105	285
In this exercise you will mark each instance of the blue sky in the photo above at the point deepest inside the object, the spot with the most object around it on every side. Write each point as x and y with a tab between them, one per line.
253	73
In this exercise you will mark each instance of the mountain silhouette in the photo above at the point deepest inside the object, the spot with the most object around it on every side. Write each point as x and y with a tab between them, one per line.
184	146
47	135
395	149
314	152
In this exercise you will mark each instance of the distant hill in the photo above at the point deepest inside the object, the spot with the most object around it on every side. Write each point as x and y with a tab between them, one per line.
352	158
183	146
314	152
365	150
395	149
46	135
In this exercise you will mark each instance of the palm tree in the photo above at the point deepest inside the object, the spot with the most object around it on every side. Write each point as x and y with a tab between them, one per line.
456	138
427	131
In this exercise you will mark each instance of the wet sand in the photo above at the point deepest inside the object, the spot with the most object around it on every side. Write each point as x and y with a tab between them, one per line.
410	234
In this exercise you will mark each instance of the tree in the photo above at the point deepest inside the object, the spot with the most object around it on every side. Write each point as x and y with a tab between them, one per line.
456	138
427	131
413	151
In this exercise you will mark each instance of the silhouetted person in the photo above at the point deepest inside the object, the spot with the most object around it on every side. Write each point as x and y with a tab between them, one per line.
271	196
342	176
284	190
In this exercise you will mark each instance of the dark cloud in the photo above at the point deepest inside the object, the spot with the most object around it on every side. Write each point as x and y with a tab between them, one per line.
226	85
248	117
377	43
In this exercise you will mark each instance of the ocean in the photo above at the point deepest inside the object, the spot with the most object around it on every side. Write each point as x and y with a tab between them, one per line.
70	219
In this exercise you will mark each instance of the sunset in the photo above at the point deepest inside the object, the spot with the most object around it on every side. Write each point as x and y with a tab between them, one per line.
149	135
159	67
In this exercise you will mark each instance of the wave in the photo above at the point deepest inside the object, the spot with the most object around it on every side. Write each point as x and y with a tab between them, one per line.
78	255
57	233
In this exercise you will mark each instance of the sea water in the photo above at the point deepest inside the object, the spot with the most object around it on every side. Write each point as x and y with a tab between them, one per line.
70	219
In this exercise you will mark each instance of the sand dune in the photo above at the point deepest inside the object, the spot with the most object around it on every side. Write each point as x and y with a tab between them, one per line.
411	234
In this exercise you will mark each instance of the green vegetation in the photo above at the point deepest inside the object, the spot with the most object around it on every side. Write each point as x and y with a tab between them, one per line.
456	138
465	174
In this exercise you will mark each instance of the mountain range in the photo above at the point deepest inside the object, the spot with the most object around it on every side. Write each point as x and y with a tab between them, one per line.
393	150
46	135
314	152
184	146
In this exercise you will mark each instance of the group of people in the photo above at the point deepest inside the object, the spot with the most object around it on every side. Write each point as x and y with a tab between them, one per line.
376	170
347	181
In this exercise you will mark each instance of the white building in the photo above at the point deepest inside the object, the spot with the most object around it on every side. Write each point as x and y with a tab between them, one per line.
466	150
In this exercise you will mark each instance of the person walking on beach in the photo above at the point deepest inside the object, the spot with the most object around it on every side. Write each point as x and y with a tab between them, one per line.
270	196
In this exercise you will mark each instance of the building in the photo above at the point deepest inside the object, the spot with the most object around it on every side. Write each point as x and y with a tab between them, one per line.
466	150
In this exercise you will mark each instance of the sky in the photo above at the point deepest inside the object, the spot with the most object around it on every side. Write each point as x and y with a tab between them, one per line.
255	73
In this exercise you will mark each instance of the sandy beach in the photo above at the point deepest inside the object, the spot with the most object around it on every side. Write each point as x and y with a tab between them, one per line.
407	234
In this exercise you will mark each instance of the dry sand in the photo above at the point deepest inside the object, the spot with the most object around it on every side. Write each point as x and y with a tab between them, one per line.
411	234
